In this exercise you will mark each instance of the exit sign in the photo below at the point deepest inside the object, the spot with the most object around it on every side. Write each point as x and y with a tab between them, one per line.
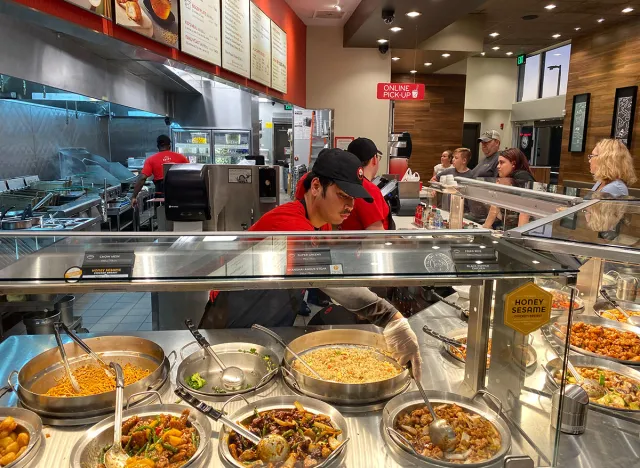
521	59
288	107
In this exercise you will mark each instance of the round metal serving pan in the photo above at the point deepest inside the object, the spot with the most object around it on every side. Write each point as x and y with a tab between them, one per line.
588	361
249	357
32	424
594	321
341	393
283	402
40	374
600	307
412	400
567	294
86	451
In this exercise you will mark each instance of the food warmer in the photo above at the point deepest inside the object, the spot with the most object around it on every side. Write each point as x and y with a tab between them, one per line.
182	262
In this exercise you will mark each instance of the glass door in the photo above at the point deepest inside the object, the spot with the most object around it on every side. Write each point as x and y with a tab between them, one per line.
194	143
231	146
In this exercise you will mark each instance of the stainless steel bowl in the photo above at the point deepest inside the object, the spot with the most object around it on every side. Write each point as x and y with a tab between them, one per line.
283	402
341	393
86	452
412	400
249	357
32	423
567	294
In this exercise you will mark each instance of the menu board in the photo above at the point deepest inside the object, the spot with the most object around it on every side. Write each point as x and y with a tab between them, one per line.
200	32
260	46
278	58
236	48
156	19
99	7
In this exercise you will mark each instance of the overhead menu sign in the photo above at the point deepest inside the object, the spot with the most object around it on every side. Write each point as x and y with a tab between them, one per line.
99	7
260	46
156	19
200	31
236	42
278	58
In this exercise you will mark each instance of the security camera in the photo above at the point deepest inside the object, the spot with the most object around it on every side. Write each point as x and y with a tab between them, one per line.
273	103
383	48
388	16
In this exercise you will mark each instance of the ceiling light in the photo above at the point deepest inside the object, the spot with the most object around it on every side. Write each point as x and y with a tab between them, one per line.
627	10
600	20
557	55
482	53
556	36
382	41
577	29
388	243
494	34
414	71
509	53
496	48
395	59
427	64
446	55
413	14
550	7
337	7
395	29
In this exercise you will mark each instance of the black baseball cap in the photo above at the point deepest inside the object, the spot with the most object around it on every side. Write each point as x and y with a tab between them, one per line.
163	140
363	148
343	168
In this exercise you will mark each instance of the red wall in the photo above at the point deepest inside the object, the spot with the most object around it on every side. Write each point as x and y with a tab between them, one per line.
277	10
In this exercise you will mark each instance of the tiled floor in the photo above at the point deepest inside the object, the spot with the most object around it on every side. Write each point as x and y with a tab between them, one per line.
115	312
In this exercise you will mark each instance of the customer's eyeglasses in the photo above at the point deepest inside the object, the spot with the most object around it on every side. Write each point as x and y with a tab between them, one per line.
591	156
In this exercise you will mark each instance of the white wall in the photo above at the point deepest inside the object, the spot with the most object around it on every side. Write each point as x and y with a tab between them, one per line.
345	80
491	83
546	108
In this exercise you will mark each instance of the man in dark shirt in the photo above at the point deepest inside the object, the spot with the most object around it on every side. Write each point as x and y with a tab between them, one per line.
488	168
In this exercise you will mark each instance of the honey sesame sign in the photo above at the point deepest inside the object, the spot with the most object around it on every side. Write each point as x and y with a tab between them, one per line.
527	308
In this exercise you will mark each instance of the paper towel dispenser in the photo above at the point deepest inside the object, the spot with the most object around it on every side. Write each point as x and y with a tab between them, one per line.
186	193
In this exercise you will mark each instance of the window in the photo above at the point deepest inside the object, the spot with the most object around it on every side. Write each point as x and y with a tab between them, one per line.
531	83
556	71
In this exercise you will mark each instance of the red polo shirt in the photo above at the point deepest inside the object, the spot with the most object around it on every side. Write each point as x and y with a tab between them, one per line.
364	214
290	217
153	164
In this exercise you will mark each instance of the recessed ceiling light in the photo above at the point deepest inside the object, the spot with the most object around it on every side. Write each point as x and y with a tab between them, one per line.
550	7
578	28
413	14
395	59
414	71
482	53
382	41
427	64
509	53
395	29
627	10
446	55
600	20
494	34
556	36
557	55
337	7
496	48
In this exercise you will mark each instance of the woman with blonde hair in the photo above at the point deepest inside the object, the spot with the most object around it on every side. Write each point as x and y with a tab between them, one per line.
612	167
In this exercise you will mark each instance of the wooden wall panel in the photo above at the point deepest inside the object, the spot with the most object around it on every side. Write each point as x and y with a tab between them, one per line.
600	63
435	123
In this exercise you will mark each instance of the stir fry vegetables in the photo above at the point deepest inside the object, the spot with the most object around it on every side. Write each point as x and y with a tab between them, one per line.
195	381
311	437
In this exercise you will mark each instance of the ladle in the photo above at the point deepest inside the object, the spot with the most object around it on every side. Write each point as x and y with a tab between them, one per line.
105	367
232	377
591	386
63	353
631	319
440	431
277	337
116	457
271	449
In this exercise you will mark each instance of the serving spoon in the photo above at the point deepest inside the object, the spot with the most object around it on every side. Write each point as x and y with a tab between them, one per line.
272	448
232	377
631	319
116	457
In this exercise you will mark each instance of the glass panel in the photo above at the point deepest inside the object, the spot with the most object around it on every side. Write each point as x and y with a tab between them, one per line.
556	71
231	146
195	144
531	83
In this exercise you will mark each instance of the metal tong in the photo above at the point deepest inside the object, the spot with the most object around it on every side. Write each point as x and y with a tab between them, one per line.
445	339
449	303
633	320
61	325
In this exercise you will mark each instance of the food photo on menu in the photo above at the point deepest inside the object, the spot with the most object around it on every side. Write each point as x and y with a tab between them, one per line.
156	19
99	7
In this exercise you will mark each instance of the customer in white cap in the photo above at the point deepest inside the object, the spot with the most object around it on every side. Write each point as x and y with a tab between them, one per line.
488	168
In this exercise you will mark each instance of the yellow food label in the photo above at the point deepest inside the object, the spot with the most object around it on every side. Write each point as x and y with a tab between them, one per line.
527	308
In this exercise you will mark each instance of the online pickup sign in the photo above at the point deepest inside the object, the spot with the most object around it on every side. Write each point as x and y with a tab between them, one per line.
527	308
401	91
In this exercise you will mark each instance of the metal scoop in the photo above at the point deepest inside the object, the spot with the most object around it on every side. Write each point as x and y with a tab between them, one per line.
116	457
277	337
271	449
65	361
631	319
440	431
232	377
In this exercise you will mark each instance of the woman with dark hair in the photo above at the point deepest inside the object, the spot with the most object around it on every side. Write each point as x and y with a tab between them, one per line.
512	165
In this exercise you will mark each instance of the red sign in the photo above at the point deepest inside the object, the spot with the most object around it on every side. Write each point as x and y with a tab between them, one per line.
401	91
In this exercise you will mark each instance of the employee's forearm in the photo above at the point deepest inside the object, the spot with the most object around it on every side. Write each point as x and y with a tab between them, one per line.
491	217
364	303
138	186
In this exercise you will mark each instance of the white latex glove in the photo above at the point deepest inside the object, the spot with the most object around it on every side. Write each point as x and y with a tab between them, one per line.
403	343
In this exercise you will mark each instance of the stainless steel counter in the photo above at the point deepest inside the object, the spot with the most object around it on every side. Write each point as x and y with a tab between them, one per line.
608	441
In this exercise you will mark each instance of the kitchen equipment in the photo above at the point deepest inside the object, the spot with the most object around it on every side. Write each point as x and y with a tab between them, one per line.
232	376
631	319
41	322
260	366
86	452
59	325
282	343
65	306
116	457
575	408
626	287
341	393
32	424
67	369
41	373
284	402
12	224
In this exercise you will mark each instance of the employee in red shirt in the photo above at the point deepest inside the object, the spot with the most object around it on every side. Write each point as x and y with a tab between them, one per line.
153	166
